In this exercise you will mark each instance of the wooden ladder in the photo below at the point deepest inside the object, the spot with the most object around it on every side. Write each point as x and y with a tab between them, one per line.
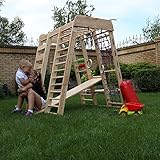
42	54
87	95
61	70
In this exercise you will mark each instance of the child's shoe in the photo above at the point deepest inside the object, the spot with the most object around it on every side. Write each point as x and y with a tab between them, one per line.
28	113
16	110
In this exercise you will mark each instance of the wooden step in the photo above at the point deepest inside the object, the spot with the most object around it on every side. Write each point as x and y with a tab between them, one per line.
52	113
63	49
59	63
99	91
54	98
62	56
66	35
38	66
91	100
57	84
40	57
64	42
86	94
59	70
58	77
56	91
42	47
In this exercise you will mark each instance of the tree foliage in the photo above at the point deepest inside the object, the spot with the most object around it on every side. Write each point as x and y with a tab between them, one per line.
152	28
66	14
11	33
1	2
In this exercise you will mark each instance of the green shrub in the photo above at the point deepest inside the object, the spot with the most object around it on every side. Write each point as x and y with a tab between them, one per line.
125	70
4	91
129	70
148	79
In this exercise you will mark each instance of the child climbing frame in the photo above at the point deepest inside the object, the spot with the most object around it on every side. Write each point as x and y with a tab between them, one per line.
82	33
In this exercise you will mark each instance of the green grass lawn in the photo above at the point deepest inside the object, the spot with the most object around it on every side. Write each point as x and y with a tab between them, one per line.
83	133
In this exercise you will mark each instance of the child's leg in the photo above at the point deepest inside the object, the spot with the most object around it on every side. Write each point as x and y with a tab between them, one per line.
34	100
18	107
20	100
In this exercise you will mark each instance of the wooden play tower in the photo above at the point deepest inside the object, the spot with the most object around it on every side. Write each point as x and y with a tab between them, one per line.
82	33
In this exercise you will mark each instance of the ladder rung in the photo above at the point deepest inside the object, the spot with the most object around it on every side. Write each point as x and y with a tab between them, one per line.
52	113
111	70
57	84
56	91
63	49
64	42
86	94
99	91
58	70
88	100
57	77
60	63
38	66
42	47
67	28
65	55
54	99
39	57
55	106
66	35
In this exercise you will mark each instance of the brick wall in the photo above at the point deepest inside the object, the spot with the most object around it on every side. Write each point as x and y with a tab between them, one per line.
139	53
10	57
9	60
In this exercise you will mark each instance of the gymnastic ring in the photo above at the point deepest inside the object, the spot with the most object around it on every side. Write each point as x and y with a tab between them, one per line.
89	63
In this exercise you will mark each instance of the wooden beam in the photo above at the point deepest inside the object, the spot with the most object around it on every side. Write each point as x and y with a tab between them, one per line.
94	23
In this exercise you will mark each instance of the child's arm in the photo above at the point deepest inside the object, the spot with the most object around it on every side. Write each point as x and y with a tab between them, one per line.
25	82
25	88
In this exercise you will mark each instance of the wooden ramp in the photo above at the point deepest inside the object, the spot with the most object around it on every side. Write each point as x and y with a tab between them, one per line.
79	88
74	91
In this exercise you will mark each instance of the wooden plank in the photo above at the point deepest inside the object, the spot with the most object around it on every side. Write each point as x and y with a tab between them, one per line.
59	63
37	66
95	23
43	38
115	59
63	28
41	47
45	58
79	88
62	56
39	57
99	91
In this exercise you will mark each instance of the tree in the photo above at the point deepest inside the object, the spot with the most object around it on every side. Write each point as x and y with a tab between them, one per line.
66	14
1	3
11	33
152	29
